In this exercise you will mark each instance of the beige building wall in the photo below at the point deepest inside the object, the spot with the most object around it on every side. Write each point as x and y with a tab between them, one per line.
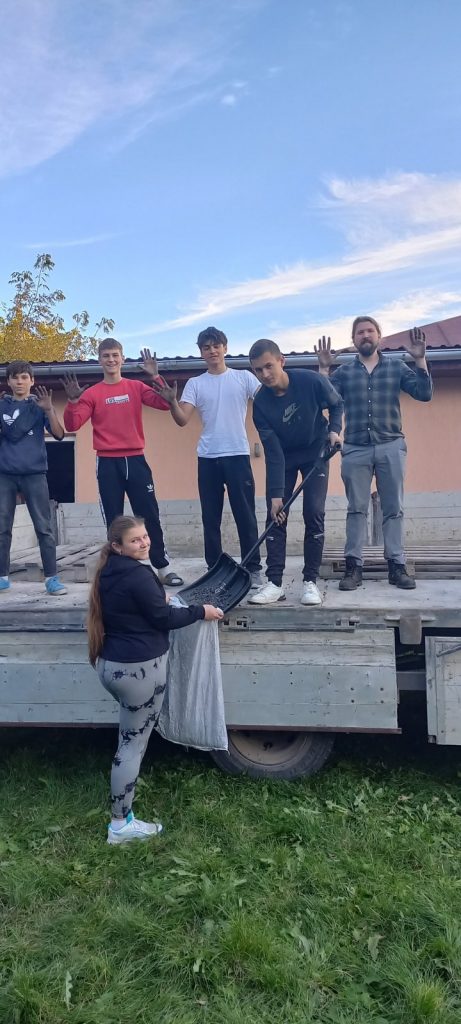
432	433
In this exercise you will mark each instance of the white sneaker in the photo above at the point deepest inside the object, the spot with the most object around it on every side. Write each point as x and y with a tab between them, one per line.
256	579
311	593
268	594
133	829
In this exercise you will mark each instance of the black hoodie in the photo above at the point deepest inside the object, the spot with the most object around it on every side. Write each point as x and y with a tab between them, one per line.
136	617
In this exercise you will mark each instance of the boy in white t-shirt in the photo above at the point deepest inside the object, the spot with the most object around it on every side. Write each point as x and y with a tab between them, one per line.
221	398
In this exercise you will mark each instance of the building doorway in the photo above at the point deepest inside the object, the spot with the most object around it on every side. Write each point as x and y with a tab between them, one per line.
61	470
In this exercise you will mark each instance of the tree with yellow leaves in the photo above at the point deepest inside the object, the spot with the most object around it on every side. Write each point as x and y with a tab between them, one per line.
31	327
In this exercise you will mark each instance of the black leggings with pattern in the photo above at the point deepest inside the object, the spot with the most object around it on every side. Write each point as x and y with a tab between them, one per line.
139	688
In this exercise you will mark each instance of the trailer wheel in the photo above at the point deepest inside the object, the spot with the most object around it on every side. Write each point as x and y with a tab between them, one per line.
274	754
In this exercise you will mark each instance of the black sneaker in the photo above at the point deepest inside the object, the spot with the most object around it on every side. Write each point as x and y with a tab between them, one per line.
352	577
398	576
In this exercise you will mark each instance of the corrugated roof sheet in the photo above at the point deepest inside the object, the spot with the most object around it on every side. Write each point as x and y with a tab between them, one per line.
442	334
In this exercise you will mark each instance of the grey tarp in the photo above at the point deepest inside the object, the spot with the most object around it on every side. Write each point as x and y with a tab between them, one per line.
193	708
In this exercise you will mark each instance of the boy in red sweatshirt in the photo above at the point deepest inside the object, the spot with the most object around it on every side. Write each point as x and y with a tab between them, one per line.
114	406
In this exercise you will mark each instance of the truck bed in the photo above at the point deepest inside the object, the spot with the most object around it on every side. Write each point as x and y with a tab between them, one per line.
285	666
26	605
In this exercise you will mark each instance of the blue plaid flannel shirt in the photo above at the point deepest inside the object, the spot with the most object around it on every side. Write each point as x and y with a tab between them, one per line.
372	400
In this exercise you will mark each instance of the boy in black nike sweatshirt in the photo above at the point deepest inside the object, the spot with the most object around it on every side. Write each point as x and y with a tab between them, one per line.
288	415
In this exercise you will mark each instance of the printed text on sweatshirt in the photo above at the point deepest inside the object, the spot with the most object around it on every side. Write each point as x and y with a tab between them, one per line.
115	411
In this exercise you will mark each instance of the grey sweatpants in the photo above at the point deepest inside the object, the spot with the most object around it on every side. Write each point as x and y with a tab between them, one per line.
387	462
139	688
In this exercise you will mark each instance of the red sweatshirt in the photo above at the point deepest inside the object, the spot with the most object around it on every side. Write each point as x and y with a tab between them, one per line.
115	411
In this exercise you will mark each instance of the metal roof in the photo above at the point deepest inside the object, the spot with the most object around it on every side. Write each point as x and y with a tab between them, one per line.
443	342
444	334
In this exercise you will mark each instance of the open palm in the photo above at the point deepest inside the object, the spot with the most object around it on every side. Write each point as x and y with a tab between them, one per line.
416	344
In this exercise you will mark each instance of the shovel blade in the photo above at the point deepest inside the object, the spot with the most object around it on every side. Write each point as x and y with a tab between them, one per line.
224	585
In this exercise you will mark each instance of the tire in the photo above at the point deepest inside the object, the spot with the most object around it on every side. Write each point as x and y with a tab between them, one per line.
274	754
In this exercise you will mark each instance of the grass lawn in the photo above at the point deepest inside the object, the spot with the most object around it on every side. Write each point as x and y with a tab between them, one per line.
335	899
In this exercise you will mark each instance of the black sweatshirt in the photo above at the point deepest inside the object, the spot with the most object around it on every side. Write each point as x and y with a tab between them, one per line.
136	616
292	426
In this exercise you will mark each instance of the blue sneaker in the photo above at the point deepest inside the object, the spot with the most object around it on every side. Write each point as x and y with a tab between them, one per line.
5	584
54	587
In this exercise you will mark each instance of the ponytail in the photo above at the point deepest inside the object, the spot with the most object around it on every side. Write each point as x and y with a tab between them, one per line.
95	624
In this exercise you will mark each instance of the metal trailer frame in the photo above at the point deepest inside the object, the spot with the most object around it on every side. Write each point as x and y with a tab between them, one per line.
292	676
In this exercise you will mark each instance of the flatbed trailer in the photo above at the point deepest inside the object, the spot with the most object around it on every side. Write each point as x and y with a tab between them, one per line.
293	676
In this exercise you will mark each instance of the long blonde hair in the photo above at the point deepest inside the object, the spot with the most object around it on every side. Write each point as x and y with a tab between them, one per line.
95	624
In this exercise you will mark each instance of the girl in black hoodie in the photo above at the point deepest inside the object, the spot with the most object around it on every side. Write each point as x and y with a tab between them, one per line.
128	625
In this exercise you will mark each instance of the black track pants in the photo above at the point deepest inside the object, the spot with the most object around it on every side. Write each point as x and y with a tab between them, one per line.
234	473
314	497
132	476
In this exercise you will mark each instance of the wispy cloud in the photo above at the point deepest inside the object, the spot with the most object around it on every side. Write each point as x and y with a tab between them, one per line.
235	93
302	278
71	243
424	214
368	210
65	71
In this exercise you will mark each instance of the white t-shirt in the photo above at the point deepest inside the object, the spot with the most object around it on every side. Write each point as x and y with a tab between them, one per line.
221	400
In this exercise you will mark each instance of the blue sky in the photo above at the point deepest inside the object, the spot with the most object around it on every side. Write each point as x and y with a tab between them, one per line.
273	167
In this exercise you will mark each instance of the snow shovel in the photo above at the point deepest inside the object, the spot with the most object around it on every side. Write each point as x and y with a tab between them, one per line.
228	582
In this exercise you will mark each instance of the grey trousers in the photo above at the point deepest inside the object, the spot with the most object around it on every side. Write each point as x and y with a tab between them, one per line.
387	462
139	688
35	490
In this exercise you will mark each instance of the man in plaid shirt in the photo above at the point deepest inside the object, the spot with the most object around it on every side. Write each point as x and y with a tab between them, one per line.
374	442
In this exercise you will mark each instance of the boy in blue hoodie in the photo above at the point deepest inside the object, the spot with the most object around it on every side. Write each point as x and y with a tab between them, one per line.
23	466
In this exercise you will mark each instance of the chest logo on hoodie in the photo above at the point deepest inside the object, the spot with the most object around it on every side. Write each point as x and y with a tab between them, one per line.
10	419
289	412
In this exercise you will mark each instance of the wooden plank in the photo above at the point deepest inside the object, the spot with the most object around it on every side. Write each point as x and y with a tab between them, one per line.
346	679
66	683
35	648
79	556
314	716
31	556
67	556
96	712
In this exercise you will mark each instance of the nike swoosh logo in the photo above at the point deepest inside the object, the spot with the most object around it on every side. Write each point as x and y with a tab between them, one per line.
290	412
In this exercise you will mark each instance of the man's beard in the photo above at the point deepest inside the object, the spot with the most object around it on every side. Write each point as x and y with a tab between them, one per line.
367	348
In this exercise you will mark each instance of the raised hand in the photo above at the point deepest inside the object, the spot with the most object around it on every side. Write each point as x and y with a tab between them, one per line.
326	355
149	362
72	387
44	398
416	344
169	394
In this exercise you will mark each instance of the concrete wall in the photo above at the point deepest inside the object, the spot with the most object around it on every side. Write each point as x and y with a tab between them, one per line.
433	484
182	525
432	438
430	518
23	531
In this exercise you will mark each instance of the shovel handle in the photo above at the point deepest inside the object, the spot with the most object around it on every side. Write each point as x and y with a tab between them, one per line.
326	454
